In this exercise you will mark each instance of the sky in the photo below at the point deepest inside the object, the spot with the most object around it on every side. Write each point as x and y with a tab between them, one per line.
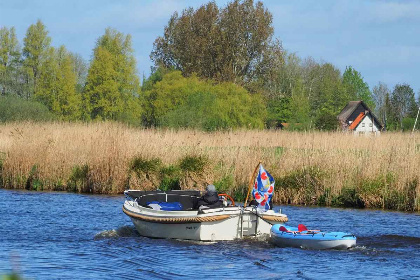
380	39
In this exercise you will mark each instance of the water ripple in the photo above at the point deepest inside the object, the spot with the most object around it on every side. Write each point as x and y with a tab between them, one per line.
73	236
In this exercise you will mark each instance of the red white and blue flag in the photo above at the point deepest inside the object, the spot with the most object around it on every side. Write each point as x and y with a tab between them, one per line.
263	189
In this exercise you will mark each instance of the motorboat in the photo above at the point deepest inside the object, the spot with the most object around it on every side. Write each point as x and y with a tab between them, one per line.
286	236
173	214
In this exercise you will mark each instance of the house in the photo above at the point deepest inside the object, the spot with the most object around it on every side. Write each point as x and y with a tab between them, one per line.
357	117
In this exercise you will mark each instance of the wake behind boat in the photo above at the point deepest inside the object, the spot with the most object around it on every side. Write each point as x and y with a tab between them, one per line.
173	214
301	237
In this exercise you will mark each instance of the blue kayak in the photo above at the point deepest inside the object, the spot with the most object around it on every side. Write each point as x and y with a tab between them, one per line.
302	237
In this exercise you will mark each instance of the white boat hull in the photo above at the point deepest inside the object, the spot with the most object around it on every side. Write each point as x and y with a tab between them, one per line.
213	225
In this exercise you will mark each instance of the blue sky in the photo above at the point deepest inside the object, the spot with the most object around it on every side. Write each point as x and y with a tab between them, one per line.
380	39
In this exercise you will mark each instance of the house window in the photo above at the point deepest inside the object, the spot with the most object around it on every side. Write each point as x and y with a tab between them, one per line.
363	124
370	125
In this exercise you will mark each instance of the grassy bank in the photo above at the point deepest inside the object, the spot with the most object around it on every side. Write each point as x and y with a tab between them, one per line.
310	168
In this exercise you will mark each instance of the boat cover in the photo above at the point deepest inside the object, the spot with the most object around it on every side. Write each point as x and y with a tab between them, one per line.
166	206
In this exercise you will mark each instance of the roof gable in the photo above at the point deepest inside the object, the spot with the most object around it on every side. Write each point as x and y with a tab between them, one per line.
356	122
351	107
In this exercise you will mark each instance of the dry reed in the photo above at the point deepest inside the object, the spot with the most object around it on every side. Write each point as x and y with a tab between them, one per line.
320	165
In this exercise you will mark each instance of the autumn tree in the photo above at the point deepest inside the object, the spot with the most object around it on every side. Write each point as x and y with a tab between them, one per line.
36	46
112	85
228	44
10	57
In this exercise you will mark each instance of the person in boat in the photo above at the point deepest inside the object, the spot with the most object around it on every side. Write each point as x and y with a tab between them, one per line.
210	198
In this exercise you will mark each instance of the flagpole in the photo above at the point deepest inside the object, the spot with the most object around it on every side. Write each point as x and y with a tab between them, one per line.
416	120
251	182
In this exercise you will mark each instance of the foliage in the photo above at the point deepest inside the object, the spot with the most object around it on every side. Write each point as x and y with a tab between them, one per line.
177	102
141	165
301	186
381	97
193	164
170	178
326	121
225	184
233	74
80	68
12	276
348	198
229	44
112	86
10	59
57	85
357	89
79	179
13	108
33	182
36	46
403	105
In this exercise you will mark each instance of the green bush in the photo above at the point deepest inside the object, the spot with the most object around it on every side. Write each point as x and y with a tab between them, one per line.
225	184
193	164
33	182
170	177
17	109
179	102
140	165
408	124
79	179
326	121
402	200
347	198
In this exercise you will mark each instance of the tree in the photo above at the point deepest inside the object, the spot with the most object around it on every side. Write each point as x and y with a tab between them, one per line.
357	89
80	68
327	94
403	103
112	86
177	101
300	107
227	45
36	46
57	85
9	61
380	92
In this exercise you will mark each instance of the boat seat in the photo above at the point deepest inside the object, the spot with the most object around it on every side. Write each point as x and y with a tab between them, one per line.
188	201
283	229
302	227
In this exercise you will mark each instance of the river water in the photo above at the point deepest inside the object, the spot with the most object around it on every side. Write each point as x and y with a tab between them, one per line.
49	235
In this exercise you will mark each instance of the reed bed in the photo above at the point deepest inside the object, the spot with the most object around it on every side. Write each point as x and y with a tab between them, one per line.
310	168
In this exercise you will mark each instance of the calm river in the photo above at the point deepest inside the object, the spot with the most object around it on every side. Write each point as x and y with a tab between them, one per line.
72	236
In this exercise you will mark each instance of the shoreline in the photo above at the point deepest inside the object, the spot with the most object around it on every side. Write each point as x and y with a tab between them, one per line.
310	168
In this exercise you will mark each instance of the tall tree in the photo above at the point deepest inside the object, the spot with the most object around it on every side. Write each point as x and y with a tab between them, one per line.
327	93
357	89
228	44
80	68
380	92
57	85
36	46
112	86
10	61
403	103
